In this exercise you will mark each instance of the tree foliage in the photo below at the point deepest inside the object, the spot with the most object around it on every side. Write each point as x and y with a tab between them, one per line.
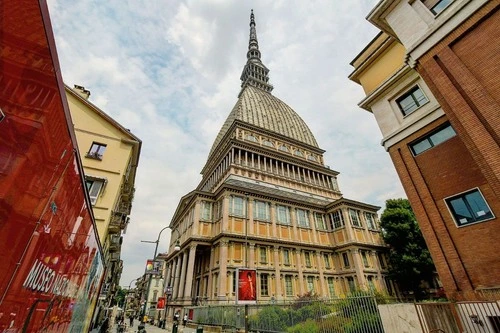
410	262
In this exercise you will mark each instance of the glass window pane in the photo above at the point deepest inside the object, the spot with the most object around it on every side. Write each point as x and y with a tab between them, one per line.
460	210
442	135
478	205
421	146
408	105
419	96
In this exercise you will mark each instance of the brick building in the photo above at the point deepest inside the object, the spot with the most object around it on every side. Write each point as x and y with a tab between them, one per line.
437	105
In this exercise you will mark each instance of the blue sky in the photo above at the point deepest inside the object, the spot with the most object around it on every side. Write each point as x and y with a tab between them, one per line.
169	71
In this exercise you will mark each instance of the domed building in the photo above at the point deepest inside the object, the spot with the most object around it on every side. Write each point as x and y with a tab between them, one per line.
268	204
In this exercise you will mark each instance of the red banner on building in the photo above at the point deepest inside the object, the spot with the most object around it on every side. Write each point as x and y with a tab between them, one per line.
161	303
247	286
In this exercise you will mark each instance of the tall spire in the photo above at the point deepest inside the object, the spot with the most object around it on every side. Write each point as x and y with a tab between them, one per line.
254	73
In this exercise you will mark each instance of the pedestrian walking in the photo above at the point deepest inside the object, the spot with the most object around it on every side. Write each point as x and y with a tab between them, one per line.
185	320
131	321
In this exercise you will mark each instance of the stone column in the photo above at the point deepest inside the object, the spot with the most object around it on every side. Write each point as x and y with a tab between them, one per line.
221	295
376	265
359	267
210	274
293	219
277	272
183	274
348	225
196	219
312	220
299	267
274	231
190	271
251	256
177	278
225	214
321	274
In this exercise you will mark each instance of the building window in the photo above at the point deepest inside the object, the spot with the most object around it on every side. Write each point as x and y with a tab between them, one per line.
411	100
365	259
94	187
286	257
261	210
96	150
345	258
268	143
312	158
437	6
264	284
284	148
331	287
234	280
354	214
310	284
352	285
237	206
263	255
326	258
320	221
250	137
433	139
371	284
283	214
307	257
217	210
302	219
370	221
299	153
288	285
206	210
469	207
381	259
337	218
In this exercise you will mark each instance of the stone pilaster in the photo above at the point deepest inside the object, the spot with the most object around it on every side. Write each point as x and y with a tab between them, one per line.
190	272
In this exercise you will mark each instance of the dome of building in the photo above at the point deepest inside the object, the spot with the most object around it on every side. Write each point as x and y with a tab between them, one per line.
260	108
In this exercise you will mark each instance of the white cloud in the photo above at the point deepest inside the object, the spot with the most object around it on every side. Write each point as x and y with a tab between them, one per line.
169	71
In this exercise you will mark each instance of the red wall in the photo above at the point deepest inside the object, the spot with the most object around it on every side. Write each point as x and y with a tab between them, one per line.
50	258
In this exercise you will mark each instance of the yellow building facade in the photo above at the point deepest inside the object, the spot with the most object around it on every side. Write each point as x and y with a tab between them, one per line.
267	201
110	156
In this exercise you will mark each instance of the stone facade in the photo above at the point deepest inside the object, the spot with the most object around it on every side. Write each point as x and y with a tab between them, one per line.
268	202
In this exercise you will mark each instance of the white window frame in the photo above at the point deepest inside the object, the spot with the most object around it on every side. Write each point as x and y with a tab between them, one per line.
337	222
235	204
357	218
96	187
206	210
302	218
463	195
319	219
283	214
370	220
261	210
408	93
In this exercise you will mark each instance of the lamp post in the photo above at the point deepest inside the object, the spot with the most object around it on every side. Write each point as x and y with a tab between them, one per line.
150	275
169	288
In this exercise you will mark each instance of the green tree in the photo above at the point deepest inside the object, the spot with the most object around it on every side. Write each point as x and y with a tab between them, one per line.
120	296
410	262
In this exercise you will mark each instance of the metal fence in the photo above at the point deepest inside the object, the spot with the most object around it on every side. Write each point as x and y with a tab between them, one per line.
466	317
356	314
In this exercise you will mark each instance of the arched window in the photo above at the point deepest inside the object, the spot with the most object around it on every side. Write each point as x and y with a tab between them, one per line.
250	137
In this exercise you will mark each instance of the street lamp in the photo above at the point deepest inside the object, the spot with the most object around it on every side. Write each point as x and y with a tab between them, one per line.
150	275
